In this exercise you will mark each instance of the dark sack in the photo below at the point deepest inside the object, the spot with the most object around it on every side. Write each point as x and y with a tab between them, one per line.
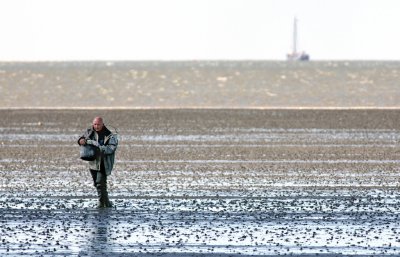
88	152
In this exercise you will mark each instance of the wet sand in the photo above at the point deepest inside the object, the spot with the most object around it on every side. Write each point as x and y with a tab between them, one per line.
204	183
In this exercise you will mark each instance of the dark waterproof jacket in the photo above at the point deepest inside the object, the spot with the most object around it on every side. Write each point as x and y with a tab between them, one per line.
106	151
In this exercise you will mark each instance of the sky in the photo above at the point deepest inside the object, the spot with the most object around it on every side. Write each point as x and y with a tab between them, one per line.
42	30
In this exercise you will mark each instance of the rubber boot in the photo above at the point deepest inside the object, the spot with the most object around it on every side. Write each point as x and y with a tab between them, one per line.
107	203
100	196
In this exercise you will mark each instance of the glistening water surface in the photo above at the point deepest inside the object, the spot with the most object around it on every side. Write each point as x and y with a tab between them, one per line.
204	183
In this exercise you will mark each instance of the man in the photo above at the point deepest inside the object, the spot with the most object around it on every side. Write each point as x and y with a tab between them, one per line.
106	142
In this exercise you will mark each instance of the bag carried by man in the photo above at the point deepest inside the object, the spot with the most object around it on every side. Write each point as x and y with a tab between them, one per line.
88	152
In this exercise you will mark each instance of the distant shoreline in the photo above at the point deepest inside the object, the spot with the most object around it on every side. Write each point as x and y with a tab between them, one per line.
192	61
110	63
205	108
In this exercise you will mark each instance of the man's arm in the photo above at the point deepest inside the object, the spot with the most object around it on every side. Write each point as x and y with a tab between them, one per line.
110	147
82	139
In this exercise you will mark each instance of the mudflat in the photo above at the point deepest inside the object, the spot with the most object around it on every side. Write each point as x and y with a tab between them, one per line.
204	182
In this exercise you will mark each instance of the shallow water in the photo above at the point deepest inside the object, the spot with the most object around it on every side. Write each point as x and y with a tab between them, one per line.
199	84
302	184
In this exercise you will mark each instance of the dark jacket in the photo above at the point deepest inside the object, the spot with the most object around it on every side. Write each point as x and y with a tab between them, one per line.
106	151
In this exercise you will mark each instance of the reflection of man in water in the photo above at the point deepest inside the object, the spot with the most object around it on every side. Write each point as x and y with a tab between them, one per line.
99	136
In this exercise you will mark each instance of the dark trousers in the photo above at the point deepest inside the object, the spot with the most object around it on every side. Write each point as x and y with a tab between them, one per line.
99	176
100	182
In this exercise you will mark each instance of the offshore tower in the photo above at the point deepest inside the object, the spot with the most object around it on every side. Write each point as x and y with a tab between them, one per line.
295	55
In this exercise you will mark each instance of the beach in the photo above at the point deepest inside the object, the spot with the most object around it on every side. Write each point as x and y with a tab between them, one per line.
203	182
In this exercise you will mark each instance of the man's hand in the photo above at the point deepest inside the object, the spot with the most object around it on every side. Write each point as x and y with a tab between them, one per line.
82	141
92	142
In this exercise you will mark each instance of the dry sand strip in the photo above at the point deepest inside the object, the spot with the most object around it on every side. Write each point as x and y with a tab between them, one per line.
204	182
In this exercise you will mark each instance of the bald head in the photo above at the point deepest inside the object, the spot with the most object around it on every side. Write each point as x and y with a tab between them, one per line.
98	123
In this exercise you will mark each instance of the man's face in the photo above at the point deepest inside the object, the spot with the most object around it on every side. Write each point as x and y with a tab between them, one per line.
98	124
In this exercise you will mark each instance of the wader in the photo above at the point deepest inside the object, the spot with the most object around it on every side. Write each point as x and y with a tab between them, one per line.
100	182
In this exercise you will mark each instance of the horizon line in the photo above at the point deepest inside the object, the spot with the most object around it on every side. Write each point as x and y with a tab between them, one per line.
195	60
206	108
